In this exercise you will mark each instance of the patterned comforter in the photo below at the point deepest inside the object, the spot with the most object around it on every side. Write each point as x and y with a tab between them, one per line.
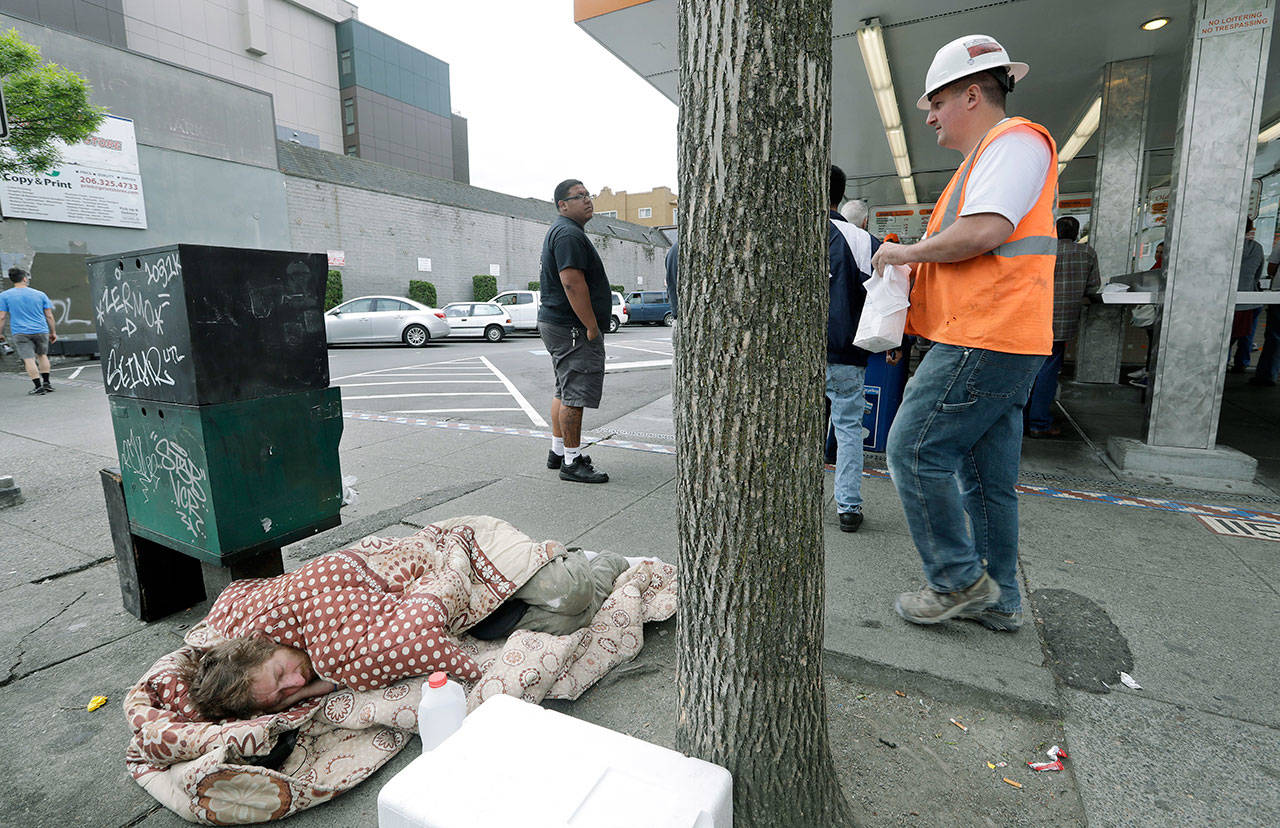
399	607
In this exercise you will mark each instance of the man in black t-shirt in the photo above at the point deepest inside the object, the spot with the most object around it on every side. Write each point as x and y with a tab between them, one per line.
576	304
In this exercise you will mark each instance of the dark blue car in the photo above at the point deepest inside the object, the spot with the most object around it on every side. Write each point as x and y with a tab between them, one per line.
650	307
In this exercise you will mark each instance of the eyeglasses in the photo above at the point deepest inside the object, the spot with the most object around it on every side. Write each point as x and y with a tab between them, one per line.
576	197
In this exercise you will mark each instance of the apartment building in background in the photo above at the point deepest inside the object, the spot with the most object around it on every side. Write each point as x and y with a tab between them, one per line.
336	84
655	208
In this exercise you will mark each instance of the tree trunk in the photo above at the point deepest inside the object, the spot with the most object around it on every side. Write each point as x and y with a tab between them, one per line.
755	85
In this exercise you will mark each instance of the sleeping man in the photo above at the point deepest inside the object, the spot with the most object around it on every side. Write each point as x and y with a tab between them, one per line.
366	620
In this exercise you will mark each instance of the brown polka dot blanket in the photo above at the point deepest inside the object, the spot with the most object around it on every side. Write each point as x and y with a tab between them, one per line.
400	609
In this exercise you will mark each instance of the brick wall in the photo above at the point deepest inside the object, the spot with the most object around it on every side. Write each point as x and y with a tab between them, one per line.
383	236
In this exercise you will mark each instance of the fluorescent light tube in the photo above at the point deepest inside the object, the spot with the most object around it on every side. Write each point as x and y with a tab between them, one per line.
1083	132
876	60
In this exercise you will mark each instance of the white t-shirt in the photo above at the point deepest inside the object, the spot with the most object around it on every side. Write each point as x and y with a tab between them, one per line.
1009	176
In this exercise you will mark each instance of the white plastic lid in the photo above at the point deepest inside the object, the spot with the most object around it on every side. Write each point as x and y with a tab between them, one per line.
437	680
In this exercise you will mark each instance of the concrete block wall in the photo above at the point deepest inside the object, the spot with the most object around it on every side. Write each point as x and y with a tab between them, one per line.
383	236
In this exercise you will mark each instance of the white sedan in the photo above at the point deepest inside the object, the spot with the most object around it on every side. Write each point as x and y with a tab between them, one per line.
487	319
384	319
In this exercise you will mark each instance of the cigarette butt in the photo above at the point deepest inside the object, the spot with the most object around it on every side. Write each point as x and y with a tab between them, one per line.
962	727
1011	782
899	693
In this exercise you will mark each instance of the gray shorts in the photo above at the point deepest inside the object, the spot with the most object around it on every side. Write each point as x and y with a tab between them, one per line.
579	364
29	346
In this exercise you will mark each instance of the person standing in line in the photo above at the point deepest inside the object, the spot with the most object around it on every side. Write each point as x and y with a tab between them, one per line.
1269	360
983	294
856	212
577	303
1075	278
849	249
32	327
1246	316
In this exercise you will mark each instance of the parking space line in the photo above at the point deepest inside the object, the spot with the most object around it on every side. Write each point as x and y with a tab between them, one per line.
648	363
515	392
405	367
432	394
423	382
611	346
450	410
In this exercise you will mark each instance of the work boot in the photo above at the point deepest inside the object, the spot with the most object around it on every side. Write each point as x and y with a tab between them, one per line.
554	461
930	607
850	521
994	619
581	471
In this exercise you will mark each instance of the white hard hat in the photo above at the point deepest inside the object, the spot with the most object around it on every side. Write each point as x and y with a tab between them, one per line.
965	56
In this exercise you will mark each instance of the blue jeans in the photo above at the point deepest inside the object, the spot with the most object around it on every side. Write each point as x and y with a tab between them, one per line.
954	449
1269	361
1040	406
844	389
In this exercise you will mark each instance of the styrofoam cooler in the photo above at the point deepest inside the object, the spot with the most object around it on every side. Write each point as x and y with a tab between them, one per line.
515	763
883	387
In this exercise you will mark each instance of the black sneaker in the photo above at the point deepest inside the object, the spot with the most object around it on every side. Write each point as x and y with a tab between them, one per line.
850	521
554	461
581	471
48	389
37	392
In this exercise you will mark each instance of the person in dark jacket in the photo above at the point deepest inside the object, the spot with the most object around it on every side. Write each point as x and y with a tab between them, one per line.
673	269
850	249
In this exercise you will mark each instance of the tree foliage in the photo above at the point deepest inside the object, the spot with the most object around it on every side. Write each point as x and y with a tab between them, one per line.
484	287
46	103
422	292
333	290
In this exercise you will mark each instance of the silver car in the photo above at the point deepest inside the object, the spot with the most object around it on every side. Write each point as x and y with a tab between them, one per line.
384	319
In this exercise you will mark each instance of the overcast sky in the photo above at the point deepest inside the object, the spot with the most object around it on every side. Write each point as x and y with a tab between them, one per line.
543	101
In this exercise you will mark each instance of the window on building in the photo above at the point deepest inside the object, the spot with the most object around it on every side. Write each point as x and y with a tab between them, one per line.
344	62
646	212
353	151
674	213
349	115
609	213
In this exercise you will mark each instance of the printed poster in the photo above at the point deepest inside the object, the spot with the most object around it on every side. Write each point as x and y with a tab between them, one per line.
98	182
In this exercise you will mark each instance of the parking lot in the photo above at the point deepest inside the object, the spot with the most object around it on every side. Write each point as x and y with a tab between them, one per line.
506	383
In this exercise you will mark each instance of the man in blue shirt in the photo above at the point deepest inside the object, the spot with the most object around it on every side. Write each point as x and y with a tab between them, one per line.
32	327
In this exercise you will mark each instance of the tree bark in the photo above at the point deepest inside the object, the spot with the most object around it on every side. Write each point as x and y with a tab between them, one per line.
755	85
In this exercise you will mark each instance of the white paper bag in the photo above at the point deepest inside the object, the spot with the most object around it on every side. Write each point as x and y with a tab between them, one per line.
884	314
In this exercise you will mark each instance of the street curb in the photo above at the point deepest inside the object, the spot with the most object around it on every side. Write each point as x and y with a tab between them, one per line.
858	669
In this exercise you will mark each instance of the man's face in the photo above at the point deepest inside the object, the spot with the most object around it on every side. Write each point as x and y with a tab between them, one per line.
284	673
577	205
947	111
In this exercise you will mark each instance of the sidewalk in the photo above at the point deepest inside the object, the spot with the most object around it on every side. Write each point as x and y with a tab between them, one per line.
1115	583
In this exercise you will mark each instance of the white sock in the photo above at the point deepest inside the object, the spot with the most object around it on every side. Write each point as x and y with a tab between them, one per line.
557	446
571	454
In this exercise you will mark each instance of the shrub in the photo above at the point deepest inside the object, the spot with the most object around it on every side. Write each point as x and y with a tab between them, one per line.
484	287
535	285
333	290
618	288
423	293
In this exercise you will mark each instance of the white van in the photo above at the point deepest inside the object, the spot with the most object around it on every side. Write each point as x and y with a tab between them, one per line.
521	306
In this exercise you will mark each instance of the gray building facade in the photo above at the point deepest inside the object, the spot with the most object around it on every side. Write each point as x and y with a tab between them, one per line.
386	221
206	155
396	105
97	19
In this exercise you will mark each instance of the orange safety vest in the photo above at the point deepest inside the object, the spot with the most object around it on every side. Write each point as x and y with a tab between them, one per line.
1001	300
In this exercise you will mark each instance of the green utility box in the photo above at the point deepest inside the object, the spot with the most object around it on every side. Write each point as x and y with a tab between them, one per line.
225	482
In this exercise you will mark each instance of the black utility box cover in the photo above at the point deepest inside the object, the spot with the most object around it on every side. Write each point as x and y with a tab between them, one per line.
199	325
